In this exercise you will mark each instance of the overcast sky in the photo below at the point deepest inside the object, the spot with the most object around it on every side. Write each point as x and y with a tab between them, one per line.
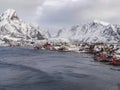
63	13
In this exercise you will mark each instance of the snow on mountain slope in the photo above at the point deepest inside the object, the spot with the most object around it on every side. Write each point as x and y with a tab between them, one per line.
14	29
96	31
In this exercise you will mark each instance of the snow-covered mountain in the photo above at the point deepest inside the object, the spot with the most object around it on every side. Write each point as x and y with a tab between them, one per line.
12	28
96	31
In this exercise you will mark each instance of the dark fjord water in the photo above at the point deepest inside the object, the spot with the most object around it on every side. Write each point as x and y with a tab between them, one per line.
28	69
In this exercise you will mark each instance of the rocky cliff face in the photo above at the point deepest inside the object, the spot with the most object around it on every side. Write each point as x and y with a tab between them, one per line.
12	28
96	31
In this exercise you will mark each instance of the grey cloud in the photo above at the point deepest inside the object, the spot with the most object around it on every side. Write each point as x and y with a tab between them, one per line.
62	13
79	12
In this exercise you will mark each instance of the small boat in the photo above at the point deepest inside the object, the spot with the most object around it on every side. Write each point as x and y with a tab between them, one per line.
37	47
48	46
101	57
116	62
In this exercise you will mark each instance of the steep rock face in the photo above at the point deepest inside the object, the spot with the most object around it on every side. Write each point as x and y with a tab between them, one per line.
96	31
14	29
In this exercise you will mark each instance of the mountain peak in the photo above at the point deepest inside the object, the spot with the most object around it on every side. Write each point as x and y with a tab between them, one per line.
101	22
14	29
9	14
95	32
